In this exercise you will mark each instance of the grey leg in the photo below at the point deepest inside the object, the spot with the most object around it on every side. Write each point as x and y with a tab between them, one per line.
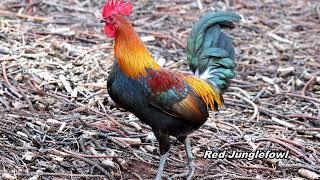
191	163
164	143
163	159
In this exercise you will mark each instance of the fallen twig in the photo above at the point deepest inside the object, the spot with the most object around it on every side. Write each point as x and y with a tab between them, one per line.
300	96
255	107
4	73
307	85
303	116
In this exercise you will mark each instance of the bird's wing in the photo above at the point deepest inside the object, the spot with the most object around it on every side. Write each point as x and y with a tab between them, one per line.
171	94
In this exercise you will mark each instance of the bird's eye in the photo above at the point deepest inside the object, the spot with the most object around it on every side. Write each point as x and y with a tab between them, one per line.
103	20
108	20
112	19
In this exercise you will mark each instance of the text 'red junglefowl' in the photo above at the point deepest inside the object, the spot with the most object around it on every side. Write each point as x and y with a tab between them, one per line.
173	103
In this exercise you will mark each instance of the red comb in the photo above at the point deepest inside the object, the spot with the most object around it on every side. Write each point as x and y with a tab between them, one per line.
117	7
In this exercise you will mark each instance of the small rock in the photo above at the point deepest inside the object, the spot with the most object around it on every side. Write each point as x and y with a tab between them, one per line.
161	61
150	137
299	83
150	148
28	156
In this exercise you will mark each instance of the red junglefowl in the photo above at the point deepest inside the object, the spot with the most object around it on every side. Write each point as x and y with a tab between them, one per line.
173	103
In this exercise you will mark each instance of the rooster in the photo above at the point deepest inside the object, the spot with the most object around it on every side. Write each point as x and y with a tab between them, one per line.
172	103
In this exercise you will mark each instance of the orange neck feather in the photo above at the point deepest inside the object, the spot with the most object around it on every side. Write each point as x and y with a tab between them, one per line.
131	54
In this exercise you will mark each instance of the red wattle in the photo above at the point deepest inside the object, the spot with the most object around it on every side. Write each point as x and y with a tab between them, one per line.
110	31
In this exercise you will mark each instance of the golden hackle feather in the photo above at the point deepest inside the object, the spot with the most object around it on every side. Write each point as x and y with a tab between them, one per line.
207	94
132	56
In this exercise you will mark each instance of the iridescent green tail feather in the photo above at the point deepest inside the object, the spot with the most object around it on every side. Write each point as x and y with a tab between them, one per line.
210	52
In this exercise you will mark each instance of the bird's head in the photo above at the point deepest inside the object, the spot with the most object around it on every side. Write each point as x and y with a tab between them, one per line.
111	12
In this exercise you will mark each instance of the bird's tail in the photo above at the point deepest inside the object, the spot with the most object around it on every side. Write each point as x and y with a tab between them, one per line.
210	52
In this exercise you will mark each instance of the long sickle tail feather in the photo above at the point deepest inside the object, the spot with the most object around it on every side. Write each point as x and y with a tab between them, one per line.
210	52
